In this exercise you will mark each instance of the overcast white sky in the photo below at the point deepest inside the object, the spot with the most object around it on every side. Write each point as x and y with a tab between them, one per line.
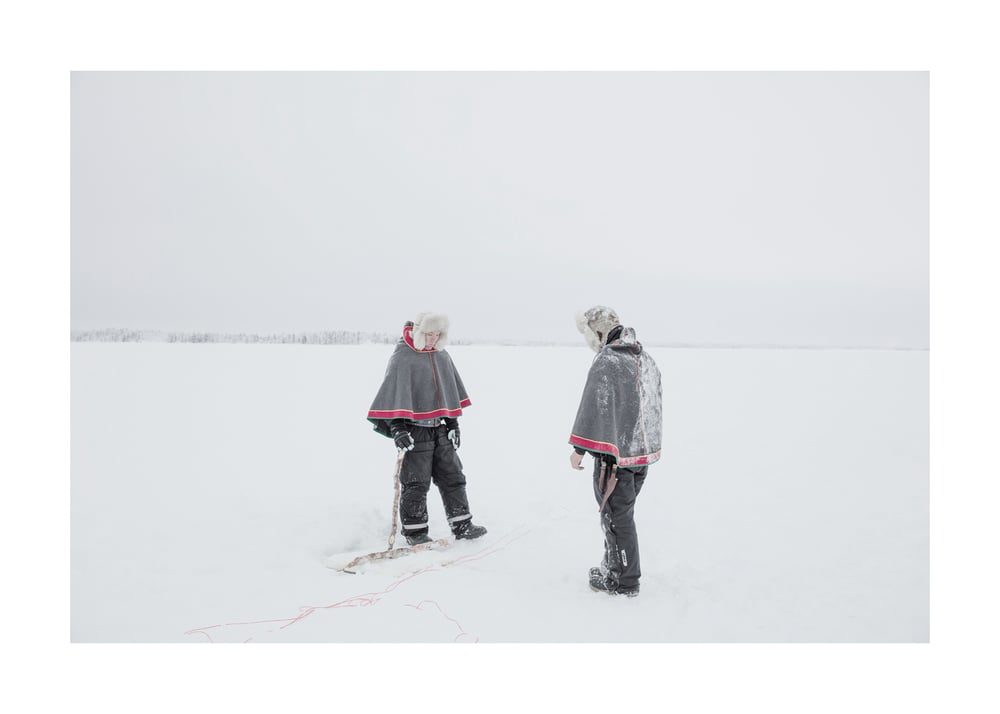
741	208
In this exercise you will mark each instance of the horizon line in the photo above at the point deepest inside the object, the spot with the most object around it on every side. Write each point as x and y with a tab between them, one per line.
125	334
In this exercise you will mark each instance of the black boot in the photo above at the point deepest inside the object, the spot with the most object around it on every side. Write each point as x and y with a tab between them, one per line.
601	583
467	530
418	538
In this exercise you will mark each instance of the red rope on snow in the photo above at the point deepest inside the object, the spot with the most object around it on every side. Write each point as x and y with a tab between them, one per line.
372	598
461	630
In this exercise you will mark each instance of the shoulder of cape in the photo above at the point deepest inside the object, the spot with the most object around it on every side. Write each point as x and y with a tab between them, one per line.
402	358
402	348
607	358
613	363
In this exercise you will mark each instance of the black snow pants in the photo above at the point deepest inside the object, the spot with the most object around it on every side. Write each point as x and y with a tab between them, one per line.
433	458
620	563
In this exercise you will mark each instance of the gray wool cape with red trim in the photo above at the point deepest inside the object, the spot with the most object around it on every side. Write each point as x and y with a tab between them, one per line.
417	385
621	412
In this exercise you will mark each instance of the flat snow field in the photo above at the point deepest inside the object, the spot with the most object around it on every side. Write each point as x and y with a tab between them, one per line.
211	484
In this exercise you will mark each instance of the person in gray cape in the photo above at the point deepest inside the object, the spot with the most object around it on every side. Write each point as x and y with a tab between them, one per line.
417	406
619	423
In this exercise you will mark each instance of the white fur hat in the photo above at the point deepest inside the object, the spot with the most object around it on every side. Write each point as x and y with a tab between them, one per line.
430	322
595	324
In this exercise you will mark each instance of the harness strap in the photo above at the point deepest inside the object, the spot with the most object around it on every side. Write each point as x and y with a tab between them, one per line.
612	482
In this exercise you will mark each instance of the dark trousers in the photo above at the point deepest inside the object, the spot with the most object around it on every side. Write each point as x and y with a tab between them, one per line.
433	458
621	542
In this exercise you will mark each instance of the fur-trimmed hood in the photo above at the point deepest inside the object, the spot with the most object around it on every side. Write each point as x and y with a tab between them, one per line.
415	332
595	324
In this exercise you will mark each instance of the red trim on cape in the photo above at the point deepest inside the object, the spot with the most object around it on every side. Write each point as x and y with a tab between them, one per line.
643	460
417	416
604	447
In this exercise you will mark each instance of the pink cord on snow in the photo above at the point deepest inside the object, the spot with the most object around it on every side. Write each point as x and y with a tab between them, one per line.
373	598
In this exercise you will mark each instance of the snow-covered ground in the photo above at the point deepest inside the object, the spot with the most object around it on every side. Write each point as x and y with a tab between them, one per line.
210	484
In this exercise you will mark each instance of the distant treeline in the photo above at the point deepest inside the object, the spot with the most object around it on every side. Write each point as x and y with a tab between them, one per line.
347	337
329	337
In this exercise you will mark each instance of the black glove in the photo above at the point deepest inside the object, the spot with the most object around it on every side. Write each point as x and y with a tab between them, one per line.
404	442
400	435
454	433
